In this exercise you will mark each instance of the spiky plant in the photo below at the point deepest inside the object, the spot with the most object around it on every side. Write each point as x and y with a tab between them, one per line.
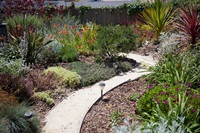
158	16
189	23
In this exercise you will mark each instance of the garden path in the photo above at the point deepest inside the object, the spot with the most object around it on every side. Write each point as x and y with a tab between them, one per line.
67	116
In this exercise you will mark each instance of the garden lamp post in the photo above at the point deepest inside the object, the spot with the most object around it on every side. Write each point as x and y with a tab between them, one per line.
102	86
28	115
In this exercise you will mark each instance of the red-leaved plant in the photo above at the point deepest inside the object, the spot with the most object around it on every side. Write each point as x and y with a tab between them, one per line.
13	7
189	23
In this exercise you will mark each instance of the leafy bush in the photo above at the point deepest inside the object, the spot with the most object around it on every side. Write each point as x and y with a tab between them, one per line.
184	3
67	77
114	39
179	68
12	119
177	118
82	39
44	96
26	38
160	94
91	73
11	66
69	53
51	52
175	112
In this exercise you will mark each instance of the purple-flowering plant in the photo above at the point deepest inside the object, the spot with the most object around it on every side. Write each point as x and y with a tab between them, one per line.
167	86
196	96
162	92
193	110
187	93
150	86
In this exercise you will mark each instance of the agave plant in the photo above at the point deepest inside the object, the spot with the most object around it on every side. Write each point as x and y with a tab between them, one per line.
189	23
158	16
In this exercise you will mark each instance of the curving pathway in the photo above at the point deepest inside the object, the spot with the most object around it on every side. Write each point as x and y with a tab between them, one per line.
68	115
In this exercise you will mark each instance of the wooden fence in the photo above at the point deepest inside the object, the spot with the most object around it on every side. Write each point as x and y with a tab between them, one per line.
105	16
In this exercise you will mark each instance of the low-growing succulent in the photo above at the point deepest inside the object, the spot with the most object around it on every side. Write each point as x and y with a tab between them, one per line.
44	96
67	77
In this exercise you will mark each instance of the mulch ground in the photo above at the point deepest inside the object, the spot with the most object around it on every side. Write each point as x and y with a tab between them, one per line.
98	119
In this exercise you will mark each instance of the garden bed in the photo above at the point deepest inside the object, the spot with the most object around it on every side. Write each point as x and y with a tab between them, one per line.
104	114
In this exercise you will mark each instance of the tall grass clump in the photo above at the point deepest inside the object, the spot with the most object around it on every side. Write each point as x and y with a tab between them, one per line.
13	120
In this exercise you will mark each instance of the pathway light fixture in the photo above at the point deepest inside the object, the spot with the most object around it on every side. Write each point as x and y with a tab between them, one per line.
102	86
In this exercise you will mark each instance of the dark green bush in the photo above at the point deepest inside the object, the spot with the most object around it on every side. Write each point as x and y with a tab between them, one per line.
13	120
91	73
114	39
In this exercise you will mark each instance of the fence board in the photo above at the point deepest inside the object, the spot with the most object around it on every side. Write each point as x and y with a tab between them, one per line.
105	16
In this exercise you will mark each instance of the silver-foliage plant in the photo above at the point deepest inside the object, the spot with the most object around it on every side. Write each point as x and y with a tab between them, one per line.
162	126
129	127
169	42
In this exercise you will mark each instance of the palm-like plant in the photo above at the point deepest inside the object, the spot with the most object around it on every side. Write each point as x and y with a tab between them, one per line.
189	23
158	16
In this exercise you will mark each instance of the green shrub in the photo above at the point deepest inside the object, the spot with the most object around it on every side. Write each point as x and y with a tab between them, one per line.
69	53
114	39
26	37
180	112
176	119
44	96
91	73
51	52
11	66
160	94
67	77
179	68
12	119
